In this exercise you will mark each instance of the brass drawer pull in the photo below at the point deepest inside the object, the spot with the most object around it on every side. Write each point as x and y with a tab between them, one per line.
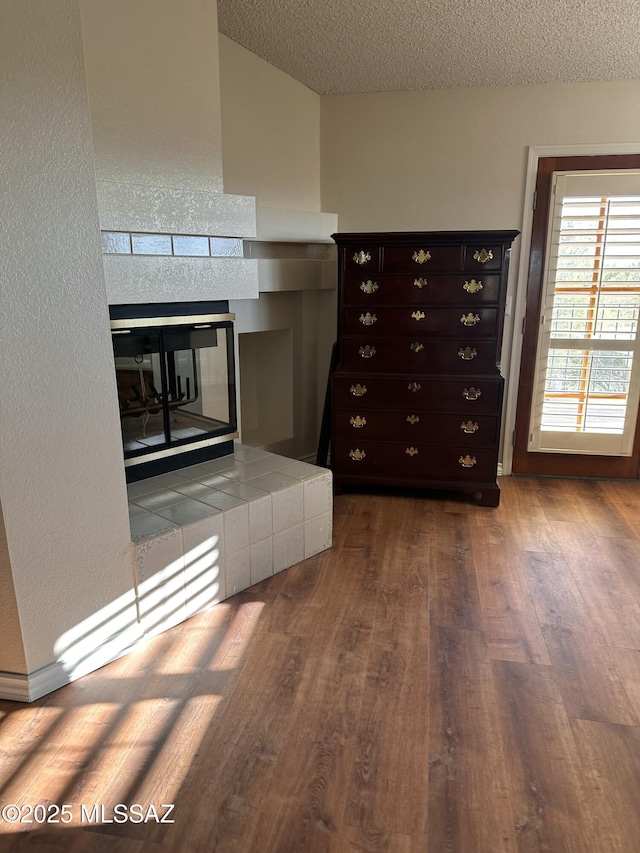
367	352
421	256
357	455
359	390
362	258
417	347
369	286
357	422
470	319
413	419
368	319
418	315
420	282
467	461
469	427
471	393
412	451
414	386
472	286
467	353
483	255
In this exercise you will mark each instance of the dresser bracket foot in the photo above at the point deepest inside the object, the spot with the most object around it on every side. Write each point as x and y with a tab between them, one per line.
487	497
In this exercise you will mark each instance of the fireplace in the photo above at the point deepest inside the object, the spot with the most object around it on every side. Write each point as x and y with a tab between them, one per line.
175	375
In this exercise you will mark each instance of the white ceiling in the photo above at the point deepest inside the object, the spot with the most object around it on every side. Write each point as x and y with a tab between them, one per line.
338	46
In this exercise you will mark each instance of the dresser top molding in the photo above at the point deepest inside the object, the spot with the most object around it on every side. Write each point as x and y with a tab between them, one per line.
442	237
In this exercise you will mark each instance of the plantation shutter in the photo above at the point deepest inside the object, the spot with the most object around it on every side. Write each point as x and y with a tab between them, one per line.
587	378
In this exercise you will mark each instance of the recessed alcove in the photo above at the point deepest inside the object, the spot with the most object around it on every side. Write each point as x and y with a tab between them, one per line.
266	383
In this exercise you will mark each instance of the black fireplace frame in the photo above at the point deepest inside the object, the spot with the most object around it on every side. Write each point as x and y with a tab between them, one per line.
176	317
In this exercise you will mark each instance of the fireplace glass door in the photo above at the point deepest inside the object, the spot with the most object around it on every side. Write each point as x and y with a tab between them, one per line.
176	389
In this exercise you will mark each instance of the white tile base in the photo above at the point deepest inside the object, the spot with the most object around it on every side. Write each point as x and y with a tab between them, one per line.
318	533
288	548
261	560
260	522
238	571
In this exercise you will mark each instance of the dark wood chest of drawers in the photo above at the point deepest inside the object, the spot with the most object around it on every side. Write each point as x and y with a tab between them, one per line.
416	396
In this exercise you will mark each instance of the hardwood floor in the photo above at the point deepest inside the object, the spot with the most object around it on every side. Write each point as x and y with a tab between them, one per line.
446	679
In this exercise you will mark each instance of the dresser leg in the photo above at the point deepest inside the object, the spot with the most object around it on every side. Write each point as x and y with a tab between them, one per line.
487	497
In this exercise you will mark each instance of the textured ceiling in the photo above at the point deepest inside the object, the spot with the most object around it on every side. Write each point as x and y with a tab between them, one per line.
338	46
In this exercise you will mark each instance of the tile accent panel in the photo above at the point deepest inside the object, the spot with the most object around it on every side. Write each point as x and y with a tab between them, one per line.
171	245
221	526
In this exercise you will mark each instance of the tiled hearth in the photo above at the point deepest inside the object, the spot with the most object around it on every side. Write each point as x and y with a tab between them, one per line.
206	532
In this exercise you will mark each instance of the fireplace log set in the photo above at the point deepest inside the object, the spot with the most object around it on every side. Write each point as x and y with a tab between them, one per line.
137	394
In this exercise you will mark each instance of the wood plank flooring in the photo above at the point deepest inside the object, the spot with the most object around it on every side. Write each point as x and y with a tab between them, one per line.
446	679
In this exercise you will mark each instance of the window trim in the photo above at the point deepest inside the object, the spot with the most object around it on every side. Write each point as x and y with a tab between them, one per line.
535	153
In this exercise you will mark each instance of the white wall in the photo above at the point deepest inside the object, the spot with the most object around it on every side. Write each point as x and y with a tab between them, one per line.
61	471
154	95
152	72
456	158
12	657
270	132
271	150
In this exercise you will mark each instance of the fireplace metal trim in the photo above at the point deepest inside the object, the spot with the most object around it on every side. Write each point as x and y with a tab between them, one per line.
174	451
149	322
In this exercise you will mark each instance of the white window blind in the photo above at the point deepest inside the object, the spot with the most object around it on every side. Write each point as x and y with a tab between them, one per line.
587	379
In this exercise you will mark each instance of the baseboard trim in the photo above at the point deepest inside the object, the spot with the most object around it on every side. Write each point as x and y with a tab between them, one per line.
26	688
17	687
14	687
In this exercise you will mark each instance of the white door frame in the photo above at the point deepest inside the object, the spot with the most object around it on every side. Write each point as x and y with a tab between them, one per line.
535	153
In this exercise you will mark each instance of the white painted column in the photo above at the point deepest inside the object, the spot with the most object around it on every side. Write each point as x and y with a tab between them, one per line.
61	470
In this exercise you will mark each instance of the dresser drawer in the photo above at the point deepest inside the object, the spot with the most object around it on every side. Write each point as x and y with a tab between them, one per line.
467	398
469	324
421	355
422	258
414	461
361	424
483	257
365	257
423	289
